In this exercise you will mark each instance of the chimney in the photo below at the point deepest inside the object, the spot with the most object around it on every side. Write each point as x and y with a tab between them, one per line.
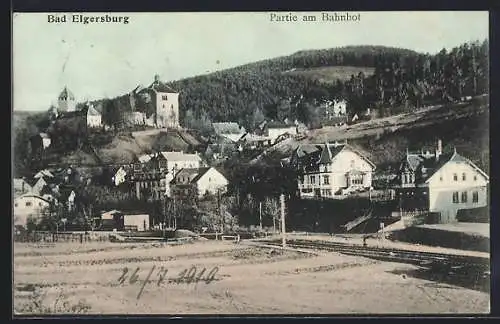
157	78
439	149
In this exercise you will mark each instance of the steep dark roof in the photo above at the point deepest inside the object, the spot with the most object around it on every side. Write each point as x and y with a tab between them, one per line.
201	173
334	149
161	87
427	165
66	94
190	173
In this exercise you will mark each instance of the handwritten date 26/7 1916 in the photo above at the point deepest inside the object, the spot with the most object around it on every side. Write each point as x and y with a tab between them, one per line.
187	276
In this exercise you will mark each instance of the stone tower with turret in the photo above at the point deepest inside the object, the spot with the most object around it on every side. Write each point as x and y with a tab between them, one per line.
66	101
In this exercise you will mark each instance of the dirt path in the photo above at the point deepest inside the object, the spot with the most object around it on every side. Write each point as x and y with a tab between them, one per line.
247	280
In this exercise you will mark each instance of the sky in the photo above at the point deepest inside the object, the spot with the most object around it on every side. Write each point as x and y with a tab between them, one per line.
99	60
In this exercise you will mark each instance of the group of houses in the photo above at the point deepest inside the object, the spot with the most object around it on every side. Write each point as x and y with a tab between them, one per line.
438	182
32	196
174	174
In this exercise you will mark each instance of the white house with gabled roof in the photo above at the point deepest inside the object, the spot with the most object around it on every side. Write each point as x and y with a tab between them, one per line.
331	170
442	183
94	116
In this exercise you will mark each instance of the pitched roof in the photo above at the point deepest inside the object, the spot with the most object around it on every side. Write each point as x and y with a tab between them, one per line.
190	173
334	149
159	86
201	173
145	158
18	183
427	165
228	128
92	111
66	94
180	156
254	138
43	173
433	166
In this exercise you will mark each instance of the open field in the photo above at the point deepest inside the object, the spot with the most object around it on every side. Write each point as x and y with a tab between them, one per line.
330	74
247	280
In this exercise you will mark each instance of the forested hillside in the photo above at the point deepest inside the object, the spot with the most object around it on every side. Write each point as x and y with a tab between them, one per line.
387	80
393	78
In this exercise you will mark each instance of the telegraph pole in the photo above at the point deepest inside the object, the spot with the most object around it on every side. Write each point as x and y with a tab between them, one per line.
283	229
164	225
175	213
220	213
260	214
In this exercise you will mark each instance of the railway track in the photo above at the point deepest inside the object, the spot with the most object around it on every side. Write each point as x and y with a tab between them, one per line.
442	261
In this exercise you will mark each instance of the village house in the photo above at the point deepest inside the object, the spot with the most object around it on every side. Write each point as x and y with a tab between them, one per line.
164	101
39	144
253	141
94	116
272	130
29	206
331	170
221	151
119	175
198	182
39	184
43	173
229	130
122	221
155	174
440	183
21	186
337	107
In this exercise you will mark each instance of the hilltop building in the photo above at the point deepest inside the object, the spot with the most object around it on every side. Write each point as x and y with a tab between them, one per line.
66	101
157	104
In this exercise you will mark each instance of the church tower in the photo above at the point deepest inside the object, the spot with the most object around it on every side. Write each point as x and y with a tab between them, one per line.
66	101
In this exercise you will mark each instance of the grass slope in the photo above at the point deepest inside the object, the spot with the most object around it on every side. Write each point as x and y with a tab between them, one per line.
330	74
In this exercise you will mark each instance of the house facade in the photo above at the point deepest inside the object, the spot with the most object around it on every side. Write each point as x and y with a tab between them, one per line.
337	107
155	173
272	131
119	176
21	187
440	183
29	206
162	99
198	182
331	170
94	117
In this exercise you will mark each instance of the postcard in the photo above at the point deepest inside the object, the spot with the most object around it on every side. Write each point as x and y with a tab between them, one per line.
251	163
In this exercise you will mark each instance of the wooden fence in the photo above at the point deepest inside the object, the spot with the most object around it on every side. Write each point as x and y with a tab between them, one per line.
62	237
